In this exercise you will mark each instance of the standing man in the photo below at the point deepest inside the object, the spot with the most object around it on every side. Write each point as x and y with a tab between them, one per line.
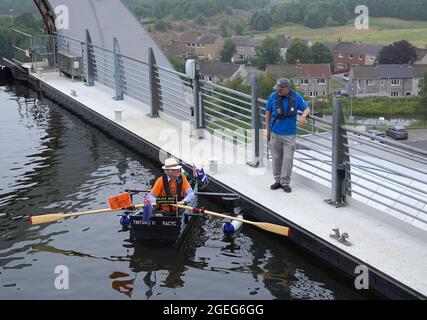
281	130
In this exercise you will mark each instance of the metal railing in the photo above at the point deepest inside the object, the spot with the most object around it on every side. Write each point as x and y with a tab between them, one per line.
352	163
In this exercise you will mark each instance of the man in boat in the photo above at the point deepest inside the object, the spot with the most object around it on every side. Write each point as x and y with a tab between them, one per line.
172	184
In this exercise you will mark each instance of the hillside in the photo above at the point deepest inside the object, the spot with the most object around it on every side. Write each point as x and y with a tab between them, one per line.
382	31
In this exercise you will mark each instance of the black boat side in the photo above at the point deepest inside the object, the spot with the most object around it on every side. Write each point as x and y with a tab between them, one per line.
164	229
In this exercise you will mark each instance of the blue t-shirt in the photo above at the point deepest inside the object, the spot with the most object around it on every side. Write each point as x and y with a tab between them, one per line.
286	126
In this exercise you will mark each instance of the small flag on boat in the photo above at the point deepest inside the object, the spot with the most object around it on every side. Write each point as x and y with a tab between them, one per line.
203	177
148	210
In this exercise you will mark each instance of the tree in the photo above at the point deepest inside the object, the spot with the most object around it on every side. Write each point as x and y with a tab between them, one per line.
266	84
316	17
267	53
261	21
298	52
422	105
239	27
160	25
401	52
321	54
200	20
177	62
228	50
6	50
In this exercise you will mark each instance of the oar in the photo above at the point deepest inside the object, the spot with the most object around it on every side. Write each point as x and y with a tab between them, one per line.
48	218
275	228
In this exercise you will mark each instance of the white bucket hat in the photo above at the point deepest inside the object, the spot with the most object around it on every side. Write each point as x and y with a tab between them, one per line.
171	164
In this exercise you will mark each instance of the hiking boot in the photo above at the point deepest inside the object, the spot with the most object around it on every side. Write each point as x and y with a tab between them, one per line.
275	186
287	189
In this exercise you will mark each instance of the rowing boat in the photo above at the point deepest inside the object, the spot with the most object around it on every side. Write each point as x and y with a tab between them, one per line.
164	228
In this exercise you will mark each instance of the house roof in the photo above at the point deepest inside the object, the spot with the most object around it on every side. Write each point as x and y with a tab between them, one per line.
396	71
358	48
208	39
246	41
314	70
299	70
281	70
365	72
420	70
218	68
331	44
421	53
189	37
284	42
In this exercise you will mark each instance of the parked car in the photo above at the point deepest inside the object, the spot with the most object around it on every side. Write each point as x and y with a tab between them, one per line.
397	133
342	93
376	133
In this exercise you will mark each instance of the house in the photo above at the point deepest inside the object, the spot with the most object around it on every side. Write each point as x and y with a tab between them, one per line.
389	80
217	71
347	54
421	56
312	79
203	46
248	72
245	47
419	71
187	43
285	43
210	46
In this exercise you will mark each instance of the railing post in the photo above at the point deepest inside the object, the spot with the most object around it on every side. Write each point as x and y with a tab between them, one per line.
88	61
339	157
118	76
154	88
256	125
198	103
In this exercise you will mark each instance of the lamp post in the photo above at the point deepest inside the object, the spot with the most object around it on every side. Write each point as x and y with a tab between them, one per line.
13	16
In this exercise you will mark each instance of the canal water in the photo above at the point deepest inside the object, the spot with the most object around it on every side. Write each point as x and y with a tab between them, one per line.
51	161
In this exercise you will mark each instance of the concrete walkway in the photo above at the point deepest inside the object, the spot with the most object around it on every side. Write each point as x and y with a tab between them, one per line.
393	247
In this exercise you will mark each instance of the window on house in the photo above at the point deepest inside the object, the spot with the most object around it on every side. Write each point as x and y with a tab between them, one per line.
297	81
188	44
408	93
193	45
210	78
395	82
394	93
324	93
304	81
321	81
383	82
369	82
313	93
371	59
242	49
351	56
340	55
198	45
361	57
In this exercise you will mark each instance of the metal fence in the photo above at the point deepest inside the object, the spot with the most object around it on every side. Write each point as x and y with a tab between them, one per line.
382	173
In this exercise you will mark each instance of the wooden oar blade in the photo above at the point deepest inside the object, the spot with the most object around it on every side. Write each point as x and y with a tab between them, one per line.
46	218
275	228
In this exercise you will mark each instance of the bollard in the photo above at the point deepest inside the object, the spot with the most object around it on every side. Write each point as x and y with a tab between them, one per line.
118	115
